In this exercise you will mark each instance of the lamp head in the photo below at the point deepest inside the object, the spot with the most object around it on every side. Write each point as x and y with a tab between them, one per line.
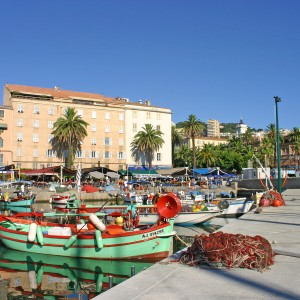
277	99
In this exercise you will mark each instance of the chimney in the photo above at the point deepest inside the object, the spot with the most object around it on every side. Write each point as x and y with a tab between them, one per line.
147	102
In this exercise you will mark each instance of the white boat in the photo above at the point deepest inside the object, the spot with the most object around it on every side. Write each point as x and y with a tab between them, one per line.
233	207
62	199
183	218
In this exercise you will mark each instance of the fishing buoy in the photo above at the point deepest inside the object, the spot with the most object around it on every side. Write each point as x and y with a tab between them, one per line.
32	232
39	234
99	283
32	280
70	273
97	222
119	221
39	275
99	240
70	241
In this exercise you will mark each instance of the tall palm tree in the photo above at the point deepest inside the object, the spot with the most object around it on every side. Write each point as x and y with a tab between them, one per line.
147	141
69	131
192	128
177	140
207	155
294	137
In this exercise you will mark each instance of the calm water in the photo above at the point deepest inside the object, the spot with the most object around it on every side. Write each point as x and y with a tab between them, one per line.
24	275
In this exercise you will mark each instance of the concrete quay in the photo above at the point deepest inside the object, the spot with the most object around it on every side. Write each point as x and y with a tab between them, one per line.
171	280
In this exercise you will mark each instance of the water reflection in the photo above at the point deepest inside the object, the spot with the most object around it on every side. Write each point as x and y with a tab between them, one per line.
45	275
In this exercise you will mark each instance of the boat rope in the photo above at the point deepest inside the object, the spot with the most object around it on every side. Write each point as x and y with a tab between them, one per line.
183	242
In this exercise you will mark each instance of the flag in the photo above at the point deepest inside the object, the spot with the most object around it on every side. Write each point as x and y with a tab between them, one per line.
78	176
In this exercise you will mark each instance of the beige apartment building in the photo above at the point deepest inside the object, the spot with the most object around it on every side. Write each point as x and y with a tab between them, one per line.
213	128
201	141
30	114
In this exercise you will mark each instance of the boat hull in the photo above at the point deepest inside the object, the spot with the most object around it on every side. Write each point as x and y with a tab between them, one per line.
151	243
183	218
237	208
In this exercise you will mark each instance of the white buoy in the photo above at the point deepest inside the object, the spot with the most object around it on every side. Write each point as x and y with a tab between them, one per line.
97	222
32	280
32	232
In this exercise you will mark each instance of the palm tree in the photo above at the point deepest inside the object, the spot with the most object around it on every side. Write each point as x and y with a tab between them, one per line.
69	131
147	141
294	137
207	155
177	140
192	128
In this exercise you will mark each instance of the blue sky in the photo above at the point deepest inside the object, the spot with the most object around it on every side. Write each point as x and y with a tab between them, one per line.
219	59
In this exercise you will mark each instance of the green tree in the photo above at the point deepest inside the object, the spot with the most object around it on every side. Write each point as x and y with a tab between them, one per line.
177	140
147	141
294	137
69	131
192	129
183	156
207	155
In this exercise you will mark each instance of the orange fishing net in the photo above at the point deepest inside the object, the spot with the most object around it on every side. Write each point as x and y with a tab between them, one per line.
224	250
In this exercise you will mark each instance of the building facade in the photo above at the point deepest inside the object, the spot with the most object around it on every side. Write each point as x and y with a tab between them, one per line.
30	114
213	128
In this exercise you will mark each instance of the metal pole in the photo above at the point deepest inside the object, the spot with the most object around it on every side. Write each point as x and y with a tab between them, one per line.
277	99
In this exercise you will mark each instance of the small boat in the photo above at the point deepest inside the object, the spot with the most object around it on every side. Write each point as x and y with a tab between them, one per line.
40	275
233	207
21	201
62	199
90	236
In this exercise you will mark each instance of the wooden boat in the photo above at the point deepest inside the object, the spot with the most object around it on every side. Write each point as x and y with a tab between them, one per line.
46	273
62	199
22	201
90	237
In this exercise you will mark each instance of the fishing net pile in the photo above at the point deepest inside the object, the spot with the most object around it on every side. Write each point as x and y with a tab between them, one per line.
224	250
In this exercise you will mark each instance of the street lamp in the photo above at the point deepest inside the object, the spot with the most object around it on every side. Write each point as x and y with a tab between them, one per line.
277	99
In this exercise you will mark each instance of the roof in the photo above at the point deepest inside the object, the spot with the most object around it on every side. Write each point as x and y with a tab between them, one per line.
48	171
175	171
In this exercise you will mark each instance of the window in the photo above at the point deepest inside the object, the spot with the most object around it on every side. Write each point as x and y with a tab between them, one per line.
121	117
35	138
158	156
107	116
94	154
49	153
51	110
94	114
1	113
121	129
50	137
158	127
19	152
80	154
36	109
107	155
94	128
36	123
134	114
121	155
148	115
50	124
20	137
80	112
1	159
20	122
158	116
49	165
20	108
35	152
1	142
19	165
107	141
94	141
107	128
34	165
134	127
121	142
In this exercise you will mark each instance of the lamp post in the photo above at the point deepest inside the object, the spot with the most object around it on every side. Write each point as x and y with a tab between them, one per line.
277	99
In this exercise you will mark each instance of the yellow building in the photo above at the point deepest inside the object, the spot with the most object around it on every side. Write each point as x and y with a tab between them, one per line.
30	114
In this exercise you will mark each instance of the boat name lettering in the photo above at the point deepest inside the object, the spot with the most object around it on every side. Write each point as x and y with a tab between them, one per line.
151	234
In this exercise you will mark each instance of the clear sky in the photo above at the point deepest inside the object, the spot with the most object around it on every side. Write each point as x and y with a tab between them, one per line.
217	59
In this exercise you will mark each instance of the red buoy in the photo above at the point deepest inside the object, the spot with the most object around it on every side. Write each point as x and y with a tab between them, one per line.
168	206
